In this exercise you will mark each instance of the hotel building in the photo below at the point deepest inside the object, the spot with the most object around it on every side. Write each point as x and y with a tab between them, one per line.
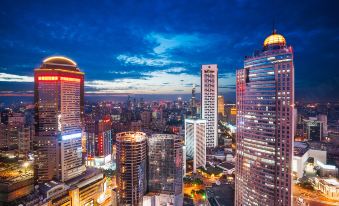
209	102
265	105
58	97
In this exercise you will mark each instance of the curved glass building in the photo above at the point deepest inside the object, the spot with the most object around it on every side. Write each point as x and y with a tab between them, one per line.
265	105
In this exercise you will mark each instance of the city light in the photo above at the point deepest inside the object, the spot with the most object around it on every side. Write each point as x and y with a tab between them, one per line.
71	136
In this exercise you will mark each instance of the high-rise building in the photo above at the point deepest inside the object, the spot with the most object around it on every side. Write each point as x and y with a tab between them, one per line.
58	97
209	102
265	105
165	165
221	106
131	167
98	141
195	142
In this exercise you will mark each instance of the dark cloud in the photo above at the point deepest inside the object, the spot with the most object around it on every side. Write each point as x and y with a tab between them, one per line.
159	35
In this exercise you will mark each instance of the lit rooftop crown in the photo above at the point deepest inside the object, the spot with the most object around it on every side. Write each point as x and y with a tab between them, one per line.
274	40
59	62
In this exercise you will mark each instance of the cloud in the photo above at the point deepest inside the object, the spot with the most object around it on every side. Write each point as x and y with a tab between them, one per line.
153	84
166	42
172	80
140	60
4	77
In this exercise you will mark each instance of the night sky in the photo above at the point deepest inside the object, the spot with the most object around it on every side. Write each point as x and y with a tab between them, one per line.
157	47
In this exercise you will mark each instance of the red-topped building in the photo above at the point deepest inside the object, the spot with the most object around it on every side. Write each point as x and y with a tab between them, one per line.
59	100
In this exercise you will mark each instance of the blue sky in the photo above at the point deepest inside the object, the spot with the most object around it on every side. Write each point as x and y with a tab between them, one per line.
157	47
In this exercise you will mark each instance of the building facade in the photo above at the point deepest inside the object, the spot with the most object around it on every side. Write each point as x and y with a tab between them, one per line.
58	97
265	105
131	167
209	102
98	140
165	165
195	142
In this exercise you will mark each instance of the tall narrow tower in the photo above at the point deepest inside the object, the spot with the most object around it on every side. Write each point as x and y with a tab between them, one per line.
265	105
58	97
131	167
209	102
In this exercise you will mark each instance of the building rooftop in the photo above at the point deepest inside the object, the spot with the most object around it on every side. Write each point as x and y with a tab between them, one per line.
300	148
221	195
11	173
331	181
227	165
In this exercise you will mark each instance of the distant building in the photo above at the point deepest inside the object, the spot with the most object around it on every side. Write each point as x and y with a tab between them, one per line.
98	141
221	106
209	102
59	99
165	165
315	128
193	102
265	105
131	167
146	118
15	139
195	141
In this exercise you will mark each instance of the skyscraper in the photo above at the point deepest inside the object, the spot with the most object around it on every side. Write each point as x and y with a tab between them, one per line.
58	97
209	102
131	167
195	141
165	165
265	105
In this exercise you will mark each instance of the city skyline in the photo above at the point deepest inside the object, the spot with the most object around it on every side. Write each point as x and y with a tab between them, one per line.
150	53
169	103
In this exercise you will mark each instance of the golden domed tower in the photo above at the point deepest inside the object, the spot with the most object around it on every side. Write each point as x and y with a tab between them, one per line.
274	40
265	121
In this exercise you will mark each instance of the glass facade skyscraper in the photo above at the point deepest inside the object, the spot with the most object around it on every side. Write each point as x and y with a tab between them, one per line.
165	165
265	105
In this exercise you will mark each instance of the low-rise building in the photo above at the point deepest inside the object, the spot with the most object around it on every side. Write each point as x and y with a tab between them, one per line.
329	187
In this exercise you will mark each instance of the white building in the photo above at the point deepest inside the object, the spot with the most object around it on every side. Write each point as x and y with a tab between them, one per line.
156	199
209	102
302	153
195	140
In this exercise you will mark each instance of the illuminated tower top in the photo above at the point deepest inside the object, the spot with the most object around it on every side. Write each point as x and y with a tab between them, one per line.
274	40
60	62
